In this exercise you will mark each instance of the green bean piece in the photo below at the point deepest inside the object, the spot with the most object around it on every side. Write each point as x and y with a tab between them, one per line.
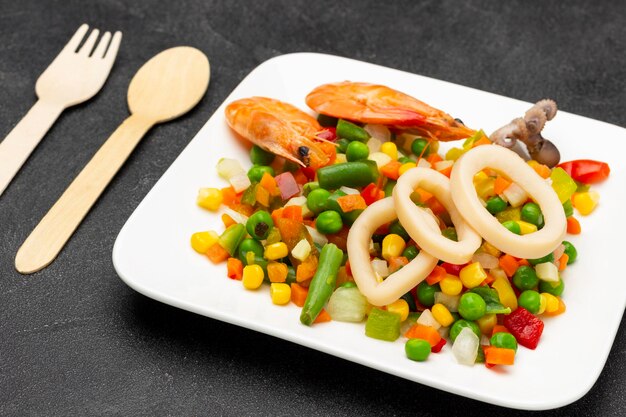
322	284
342	145
350	174
389	188
260	156
351	131
568	208
232	237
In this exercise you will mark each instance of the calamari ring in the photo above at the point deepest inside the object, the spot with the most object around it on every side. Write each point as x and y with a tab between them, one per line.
396	284
419	223
531	246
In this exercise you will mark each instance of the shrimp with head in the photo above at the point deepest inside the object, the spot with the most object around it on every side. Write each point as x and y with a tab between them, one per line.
278	127
378	104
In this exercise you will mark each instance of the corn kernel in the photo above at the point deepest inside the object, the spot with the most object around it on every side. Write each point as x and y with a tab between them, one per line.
276	251
390	149
451	285
552	302
302	250
490	249
485	188
210	198
252	276
400	307
393	245
585	202
405	167
202	241
526	228
479	177
542	304
486	323
472	275
277	271
442	315
453	154
341	158
280	293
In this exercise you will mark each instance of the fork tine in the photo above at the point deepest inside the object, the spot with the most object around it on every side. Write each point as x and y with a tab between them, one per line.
102	45
78	36
87	47
113	48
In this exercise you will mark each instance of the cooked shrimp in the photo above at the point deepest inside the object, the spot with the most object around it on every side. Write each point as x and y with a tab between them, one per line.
377	104
279	128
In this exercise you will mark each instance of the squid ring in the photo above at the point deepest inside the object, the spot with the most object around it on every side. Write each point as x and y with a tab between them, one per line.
396	284
530	246
416	219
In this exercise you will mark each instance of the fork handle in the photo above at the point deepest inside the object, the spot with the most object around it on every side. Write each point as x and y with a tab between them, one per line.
23	139
57	226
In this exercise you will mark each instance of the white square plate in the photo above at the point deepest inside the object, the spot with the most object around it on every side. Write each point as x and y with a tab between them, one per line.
152	252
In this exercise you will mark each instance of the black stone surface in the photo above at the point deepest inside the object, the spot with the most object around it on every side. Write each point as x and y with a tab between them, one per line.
74	340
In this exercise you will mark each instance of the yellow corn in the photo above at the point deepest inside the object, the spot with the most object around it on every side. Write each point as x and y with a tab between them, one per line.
276	251
480	176
202	241
405	167
390	149
485	188
252	276
490	249
280	293
472	275
210	198
277	271
393	245
585	202
400	307
451	285
526	228
552	302
442	315
505	291
453	154
341	158
486	323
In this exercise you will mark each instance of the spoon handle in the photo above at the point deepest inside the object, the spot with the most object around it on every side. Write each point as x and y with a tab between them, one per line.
57	226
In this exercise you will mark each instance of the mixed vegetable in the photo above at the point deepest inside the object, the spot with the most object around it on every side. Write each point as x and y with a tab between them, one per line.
287	225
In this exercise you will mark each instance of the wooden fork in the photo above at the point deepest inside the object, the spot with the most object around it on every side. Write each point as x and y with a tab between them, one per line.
72	78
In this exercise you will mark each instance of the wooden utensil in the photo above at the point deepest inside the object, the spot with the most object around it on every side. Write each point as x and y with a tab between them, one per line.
72	78
167	86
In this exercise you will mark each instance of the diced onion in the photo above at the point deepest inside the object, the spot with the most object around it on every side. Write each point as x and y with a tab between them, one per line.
240	182
451	302
235	215
347	304
558	252
379	132
380	267
515	195
317	237
427	319
349	190
380	158
302	250
547	271
465	347
422	163
486	260
228	168
374	145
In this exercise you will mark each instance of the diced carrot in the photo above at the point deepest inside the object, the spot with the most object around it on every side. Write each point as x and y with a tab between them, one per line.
298	294
340	238
309	222
488	280
434	157
322	317
277	214
436	275
268	182
397	262
306	269
245	209
348	268
498	328
573	226
262	196
482	141
436	207
293	213
330	149
235	268
424	195
343	277
428	333
227	220
559	310
391	170
300	177
523	262
509	264
499	356
217	254
563	261
541	169
351	202
500	184
230	197
447	171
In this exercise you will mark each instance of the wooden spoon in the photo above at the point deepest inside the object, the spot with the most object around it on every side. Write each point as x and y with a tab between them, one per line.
167	86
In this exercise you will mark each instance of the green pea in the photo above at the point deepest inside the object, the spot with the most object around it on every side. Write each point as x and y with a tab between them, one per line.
260	156
530	300
548	258
531	213
450	233
249	245
357	151
504	340
327	121
460	325
328	222
420	147
426	293
342	145
348	284
472	306
495	205
399	230
256	172
525	278
259	224
513	227
554	288
317	200
417	349
570	251
410	252
405	159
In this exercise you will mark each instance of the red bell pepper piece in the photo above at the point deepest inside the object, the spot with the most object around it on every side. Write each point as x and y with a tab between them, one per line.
437	348
329	133
586	171
372	194
452	269
525	326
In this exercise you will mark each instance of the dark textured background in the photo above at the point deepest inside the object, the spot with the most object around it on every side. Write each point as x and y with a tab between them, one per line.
74	340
